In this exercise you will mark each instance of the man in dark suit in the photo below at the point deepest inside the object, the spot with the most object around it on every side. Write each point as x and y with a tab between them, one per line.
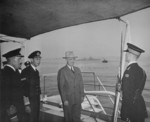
133	106
32	85
70	85
13	103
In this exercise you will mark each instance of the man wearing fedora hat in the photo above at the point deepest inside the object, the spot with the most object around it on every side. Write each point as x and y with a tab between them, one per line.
12	87
32	85
133	106
70	85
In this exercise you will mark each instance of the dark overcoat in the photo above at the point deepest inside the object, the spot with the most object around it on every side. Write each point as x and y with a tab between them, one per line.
133	82
13	91
32	91
71	89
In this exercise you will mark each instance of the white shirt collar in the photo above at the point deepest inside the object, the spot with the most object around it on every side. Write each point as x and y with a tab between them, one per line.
132	62
20	71
70	67
33	67
10	66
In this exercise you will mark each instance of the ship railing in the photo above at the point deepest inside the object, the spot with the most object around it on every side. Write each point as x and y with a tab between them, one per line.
94	89
91	95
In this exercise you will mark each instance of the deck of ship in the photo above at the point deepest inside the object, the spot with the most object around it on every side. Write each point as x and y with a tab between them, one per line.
50	110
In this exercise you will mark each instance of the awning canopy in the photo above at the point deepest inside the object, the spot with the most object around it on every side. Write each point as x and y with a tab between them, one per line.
28	18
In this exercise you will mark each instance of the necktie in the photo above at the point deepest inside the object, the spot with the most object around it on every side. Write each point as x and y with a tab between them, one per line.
72	70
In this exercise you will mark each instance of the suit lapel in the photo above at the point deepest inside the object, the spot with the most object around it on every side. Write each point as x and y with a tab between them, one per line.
69	71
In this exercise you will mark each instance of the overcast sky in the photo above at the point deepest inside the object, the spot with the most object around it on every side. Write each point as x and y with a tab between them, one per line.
96	39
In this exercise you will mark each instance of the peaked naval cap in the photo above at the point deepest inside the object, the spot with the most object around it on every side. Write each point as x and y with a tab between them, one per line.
134	49
13	53
35	54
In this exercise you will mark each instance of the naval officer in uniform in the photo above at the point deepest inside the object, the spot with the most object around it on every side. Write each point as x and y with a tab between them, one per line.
70	85
12	87
32	85
133	106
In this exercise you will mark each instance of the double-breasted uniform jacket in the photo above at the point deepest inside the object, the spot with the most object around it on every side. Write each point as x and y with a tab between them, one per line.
133	82
32	91
70	84
13	90
32	81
